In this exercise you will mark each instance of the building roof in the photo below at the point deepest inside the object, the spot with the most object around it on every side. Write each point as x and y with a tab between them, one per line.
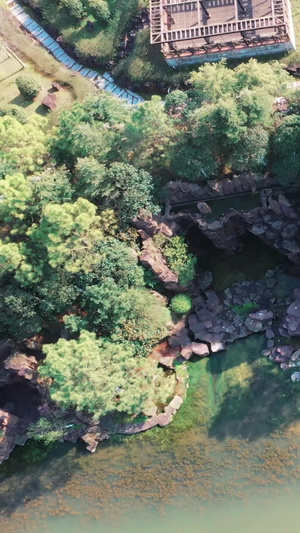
199	26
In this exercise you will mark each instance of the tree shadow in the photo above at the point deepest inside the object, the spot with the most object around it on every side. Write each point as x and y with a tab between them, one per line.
31	472
266	402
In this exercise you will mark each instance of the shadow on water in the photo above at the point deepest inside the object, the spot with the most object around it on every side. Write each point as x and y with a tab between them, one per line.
256	400
32	471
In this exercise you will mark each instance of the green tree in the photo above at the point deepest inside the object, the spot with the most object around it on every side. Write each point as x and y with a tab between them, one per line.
70	233
53	185
98	376
89	176
28	87
19	317
23	146
75	8
150	136
128	190
100	9
285	150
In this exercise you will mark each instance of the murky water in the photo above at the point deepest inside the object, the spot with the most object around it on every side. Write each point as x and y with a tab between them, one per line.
230	460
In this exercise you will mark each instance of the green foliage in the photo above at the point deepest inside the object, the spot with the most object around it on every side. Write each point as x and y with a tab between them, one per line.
18	313
28	87
150	136
244	309
47	431
75	8
128	190
22	146
89	177
227	119
181	304
14	111
135	314
70	233
285	150
51	186
100	9
179	260
98	376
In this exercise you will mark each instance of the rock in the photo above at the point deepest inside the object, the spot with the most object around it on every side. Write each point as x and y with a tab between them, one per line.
165	354
23	365
152	258
203	208
12	432
6	347
270	334
271	283
289	212
175	404
258	229
50	102
199	348
294	309
289	231
275	206
295	376
254	325
262	316
296	355
56	86
217	347
270	344
206	280
93	436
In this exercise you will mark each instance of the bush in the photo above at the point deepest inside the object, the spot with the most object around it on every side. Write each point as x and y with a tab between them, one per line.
179	260
28	87
100	9
15	111
181	304
75	8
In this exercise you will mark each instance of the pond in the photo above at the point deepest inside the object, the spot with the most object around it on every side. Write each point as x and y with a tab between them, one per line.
231	458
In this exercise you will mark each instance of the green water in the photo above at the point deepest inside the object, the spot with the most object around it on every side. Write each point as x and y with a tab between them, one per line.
232	453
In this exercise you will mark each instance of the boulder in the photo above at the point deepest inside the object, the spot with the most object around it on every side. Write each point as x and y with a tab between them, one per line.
23	365
295	376
203	208
199	348
93	436
217	347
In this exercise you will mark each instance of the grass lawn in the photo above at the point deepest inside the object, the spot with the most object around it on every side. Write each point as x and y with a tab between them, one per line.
10	69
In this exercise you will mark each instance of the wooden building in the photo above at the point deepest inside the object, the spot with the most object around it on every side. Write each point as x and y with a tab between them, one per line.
191	31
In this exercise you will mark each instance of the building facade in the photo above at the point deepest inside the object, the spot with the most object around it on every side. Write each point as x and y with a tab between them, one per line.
195	31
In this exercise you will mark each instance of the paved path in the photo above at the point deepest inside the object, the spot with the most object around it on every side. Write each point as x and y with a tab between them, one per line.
104	81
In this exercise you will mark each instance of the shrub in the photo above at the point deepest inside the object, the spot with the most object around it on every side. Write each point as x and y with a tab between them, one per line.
15	111
100	9
181	304
28	87
75	8
179	260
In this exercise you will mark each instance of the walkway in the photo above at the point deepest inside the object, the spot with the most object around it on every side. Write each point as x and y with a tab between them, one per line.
105	81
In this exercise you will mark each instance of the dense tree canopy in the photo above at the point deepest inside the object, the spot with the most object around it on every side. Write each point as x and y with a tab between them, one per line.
69	254
99	376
